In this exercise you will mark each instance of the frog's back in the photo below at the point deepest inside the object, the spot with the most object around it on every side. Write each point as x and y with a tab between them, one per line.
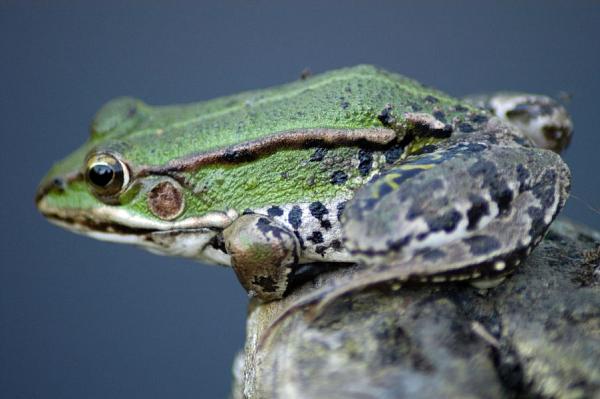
349	98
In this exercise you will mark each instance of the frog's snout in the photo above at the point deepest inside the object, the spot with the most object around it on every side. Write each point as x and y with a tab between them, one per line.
42	192
55	187
57	183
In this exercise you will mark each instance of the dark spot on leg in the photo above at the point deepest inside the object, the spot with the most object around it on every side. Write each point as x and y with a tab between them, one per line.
481	245
499	190
320	249
318	210
316	237
503	196
384	189
265	226
263	222
275	211
479	208
406	174
446	222
339	177
295	217
415	211
336	245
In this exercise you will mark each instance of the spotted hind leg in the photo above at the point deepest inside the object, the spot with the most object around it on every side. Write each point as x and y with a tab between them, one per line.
471	210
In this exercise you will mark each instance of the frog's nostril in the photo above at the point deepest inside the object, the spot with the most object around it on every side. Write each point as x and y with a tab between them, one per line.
59	183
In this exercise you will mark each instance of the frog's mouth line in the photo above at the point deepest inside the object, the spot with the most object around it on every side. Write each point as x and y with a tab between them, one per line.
85	225
114	222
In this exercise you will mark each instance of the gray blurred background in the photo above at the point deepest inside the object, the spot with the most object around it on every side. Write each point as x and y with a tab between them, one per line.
86	319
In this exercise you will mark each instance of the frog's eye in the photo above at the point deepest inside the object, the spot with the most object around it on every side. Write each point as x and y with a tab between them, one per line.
106	174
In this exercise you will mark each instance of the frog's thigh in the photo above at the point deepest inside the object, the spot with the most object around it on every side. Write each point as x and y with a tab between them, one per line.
467	211
263	253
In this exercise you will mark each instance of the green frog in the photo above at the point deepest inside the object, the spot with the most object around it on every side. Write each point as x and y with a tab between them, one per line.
353	166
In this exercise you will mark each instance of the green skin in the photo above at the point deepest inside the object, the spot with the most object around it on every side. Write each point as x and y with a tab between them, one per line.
190	171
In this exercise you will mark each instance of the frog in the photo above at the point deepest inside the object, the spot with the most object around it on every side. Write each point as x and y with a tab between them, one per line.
355	166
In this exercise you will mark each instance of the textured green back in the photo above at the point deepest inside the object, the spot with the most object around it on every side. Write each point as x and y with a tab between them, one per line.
347	98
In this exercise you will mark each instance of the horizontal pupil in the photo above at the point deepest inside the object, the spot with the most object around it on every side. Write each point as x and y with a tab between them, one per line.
101	175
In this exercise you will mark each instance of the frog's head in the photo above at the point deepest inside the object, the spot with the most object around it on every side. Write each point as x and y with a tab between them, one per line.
106	190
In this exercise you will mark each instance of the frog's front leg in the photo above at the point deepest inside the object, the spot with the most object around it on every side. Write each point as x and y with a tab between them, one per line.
263	253
470	210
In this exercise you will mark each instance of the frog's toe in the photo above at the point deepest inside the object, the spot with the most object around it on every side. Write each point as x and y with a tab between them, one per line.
540	118
469	211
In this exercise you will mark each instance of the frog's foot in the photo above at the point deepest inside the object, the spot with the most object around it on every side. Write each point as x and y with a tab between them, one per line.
471	210
263	254
540	118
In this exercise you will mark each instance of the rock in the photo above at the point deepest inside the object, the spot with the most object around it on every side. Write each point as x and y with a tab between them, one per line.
535	335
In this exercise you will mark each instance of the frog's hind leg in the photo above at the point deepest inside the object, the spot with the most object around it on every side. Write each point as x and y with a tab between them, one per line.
471	210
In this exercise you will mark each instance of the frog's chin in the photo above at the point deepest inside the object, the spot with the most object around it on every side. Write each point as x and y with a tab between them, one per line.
194	237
